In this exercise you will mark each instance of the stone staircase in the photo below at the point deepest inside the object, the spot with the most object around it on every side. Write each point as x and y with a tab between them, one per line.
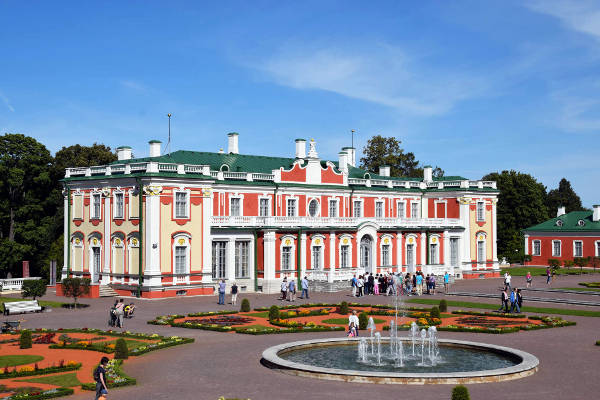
107	291
328	287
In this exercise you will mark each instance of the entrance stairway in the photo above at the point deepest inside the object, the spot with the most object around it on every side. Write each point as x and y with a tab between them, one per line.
107	291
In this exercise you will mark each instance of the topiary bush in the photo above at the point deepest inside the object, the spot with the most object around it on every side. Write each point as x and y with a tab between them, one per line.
121	350
25	341
460	392
363	320
435	312
273	313
245	305
443	306
344	307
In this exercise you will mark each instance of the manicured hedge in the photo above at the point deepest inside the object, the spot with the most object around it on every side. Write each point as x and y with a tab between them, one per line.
40	371
115	377
46	394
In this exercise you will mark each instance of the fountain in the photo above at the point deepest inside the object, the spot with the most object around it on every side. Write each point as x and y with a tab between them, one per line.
379	359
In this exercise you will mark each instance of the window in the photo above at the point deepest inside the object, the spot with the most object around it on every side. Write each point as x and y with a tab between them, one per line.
333	208
180	260
480	251
400	206
119	205
219	252
433	254
454	252
345	256
577	248
480	211
597	249
385	254
241	259
414	210
234	207
286	258
264	208
357	208
537	248
379	209
181	205
316	257
313	208
556	248
291	207
96	201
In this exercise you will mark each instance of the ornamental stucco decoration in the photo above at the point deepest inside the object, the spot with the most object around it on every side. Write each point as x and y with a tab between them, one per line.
105	192
153	190
464	200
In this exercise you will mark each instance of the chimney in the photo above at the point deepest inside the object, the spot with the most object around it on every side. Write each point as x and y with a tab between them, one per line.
351	151
221	151
124	153
343	161
427	173
561	211
233	143
300	148
155	148
384	170
596	215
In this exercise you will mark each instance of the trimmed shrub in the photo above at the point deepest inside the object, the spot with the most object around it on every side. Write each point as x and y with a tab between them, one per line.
344	308
273	313
363	320
245	305
443	306
121	350
460	392
33	288
25	340
435	312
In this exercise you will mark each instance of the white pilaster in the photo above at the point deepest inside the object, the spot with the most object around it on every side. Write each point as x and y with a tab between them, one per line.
495	230
399	246
423	250
302	249
526	244
447	250
152	238
331	256
107	249
66	239
230	260
206	237
269	260
465	243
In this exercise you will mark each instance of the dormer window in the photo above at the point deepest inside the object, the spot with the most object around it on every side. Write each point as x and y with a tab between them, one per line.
559	223
581	222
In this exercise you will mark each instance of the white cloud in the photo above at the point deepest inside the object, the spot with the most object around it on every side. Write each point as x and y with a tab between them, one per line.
133	85
6	102
581	15
382	74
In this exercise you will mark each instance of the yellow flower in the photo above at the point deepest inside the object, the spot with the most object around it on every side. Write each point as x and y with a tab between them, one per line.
26	369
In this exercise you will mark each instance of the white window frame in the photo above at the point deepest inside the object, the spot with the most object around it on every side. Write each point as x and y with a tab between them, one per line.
93	196
336	203
480	209
91	245
559	248
187	204
114	246
575	247
130	194
360	206
380	208
438	244
317	241
415	204
435	208
292	245
268	199
81	245
480	257
309	202
287	206
342	242
415	244
533	243
401	205
390	245
597	248
237	259
131	247
81	198
116	205
181	240
239	198
215	268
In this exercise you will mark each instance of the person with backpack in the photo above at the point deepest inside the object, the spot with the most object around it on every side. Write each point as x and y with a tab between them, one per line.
100	378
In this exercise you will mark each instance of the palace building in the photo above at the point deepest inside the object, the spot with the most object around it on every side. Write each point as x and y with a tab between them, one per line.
175	224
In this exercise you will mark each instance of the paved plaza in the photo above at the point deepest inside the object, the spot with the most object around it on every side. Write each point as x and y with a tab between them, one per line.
227	364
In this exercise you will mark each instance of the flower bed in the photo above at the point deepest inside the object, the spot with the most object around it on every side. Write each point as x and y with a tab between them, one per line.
45	394
30	371
115	377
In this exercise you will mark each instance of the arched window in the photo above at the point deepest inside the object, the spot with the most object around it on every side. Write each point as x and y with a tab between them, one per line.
181	258
313	208
345	251
133	255
287	249
95	258
386	250
77	251
434	250
317	252
481	242
118	256
366	248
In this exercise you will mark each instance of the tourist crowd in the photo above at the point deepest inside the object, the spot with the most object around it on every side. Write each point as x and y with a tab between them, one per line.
392	284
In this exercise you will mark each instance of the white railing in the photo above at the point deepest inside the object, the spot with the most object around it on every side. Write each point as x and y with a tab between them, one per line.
214	174
164	167
98	170
235	175
193	169
135	167
263	177
344	222
15	283
117	168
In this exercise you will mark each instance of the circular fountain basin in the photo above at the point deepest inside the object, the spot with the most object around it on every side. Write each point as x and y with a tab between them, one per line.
461	362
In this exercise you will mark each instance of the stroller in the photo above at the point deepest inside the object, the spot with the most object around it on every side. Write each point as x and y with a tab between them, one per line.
129	310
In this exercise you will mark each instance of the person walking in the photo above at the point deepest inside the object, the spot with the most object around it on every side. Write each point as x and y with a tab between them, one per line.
100	378
221	289
354	283
292	290
528	279
360	283
514	305
284	289
548	275
371	284
507	279
304	284
432	283
376	285
519	299
120	312
419	284
446	282
504	300
353	321
234	292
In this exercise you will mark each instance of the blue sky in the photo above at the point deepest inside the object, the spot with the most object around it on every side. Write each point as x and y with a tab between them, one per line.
471	86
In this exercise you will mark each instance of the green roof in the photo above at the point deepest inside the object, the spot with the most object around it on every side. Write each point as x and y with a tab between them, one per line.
155	141
570	223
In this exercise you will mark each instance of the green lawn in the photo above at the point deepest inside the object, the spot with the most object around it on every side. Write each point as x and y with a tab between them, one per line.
11	361
131	344
257	327
580	289
262	314
344	321
487	306
541	271
64	380
43	303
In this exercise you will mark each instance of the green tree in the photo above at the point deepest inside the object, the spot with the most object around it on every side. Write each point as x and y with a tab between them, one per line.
245	306
563	196
25	206
121	350
34	288
25	340
521	204
387	151
75	288
460	392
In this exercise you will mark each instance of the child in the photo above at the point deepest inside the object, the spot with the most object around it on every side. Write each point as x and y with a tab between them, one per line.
352	330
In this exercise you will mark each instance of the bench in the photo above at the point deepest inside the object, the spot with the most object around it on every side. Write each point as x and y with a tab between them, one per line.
20	307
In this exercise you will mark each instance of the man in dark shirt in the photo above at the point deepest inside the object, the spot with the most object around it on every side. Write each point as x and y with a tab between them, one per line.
100	378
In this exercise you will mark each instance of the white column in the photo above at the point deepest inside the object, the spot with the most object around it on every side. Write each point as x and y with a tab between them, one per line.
269	284
66	239
495	227
423	250
207	239
107	248
331	256
230	260
399	251
526	244
152	240
447	250
465	243
302	248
